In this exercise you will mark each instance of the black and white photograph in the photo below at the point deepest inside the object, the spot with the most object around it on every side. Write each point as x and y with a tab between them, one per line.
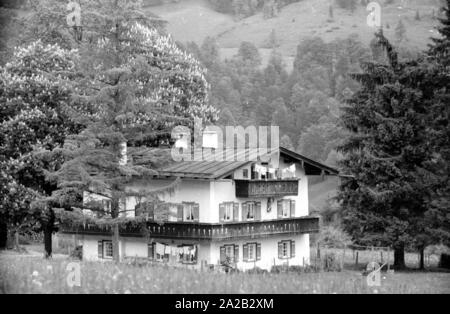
224	153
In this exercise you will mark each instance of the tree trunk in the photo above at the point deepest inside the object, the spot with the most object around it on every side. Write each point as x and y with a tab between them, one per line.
399	257
49	227
116	253
3	235
422	259
115	208
16	240
48	241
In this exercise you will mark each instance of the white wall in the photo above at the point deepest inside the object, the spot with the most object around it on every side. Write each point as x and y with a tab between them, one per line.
209	194
208	251
301	200
197	191
269	252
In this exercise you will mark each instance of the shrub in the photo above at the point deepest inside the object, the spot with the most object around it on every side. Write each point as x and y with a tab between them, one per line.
333	236
331	263
77	253
294	269
445	261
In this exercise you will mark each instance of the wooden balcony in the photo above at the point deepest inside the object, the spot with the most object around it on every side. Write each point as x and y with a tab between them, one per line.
211	232
266	188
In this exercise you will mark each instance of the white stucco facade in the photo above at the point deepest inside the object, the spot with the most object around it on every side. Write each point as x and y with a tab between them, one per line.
209	195
208	252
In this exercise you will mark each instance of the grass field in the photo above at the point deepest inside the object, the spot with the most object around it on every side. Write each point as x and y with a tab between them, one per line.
33	274
193	20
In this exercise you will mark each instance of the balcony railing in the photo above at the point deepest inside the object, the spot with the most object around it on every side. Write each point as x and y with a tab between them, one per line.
201	231
266	188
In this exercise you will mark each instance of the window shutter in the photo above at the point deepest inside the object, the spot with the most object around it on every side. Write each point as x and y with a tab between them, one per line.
258	211
236	211
244	211
258	251
137	210
245	252
221	212
180	212
196	212
292	248
280	208
151	251
100	249
236	253
292	208
223	256
280	250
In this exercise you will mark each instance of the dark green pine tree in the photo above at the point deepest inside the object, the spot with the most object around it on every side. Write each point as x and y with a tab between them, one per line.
386	197
440	48
438	228
142	86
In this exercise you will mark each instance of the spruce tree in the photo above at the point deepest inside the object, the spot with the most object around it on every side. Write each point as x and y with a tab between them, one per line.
386	200
440	47
438	61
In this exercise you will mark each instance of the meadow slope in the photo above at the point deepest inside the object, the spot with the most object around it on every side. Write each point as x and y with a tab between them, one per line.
194	20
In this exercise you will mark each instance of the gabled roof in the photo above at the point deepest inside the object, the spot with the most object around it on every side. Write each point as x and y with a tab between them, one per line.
221	169
202	169
312	167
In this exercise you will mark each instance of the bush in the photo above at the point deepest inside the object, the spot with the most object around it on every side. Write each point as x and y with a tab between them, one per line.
333	236
294	269
331	263
257	270
445	261
77	253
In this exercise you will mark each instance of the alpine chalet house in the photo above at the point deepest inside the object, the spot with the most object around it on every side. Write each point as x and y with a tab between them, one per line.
240	213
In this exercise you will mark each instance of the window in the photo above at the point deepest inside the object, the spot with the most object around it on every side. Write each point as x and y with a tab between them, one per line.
187	254
173	212
106	204
229	251
227	211
252	252
229	254
139	210
107	249
251	209
286	208
188	212
245	173
286	249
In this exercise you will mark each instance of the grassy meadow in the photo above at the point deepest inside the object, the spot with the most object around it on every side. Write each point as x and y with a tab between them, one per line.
30	273
194	20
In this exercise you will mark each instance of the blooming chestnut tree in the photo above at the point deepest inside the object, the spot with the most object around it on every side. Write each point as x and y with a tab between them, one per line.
35	110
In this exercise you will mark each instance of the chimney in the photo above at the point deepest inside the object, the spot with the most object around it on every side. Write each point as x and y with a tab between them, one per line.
182	140
210	140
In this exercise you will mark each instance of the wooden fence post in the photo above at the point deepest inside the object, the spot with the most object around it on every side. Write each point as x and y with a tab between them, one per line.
389	259
357	257
343	258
